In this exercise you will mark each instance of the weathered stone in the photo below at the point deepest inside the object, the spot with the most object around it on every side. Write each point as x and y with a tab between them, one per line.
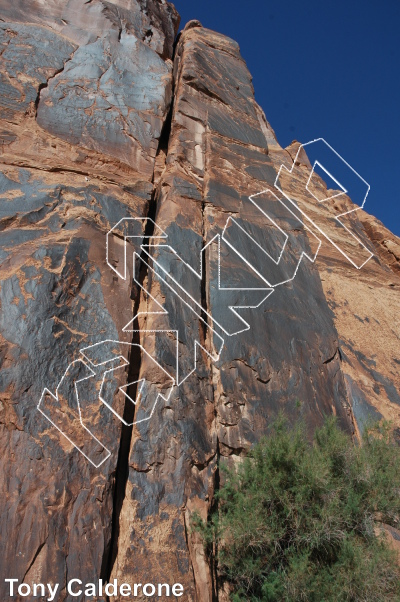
88	139
64	183
30	56
213	152
152	21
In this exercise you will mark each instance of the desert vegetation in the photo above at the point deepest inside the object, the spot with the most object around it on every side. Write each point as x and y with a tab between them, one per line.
299	520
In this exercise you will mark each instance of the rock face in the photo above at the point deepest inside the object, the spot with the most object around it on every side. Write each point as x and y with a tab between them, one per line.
85	91
98	124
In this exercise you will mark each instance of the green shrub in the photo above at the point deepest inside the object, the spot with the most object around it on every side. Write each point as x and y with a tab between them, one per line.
299	521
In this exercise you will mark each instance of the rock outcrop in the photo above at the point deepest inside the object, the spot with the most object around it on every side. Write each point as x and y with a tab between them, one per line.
104	117
86	89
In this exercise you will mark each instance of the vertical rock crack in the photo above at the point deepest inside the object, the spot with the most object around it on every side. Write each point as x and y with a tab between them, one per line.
122	470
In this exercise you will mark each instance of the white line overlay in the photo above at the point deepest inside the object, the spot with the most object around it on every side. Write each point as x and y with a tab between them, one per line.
269	253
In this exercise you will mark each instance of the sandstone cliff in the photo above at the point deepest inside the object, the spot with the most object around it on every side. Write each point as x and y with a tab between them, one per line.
104	117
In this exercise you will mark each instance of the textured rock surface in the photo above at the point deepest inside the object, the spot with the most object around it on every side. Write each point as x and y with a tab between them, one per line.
70	169
88	139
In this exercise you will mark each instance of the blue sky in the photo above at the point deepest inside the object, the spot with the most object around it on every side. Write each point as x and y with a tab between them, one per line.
326	69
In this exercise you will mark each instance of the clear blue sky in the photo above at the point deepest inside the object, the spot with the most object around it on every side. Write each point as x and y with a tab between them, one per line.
324	68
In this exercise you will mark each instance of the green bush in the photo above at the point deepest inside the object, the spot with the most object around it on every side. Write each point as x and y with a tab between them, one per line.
299	521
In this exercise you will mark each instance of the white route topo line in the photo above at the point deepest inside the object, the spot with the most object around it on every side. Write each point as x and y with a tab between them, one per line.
133	228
